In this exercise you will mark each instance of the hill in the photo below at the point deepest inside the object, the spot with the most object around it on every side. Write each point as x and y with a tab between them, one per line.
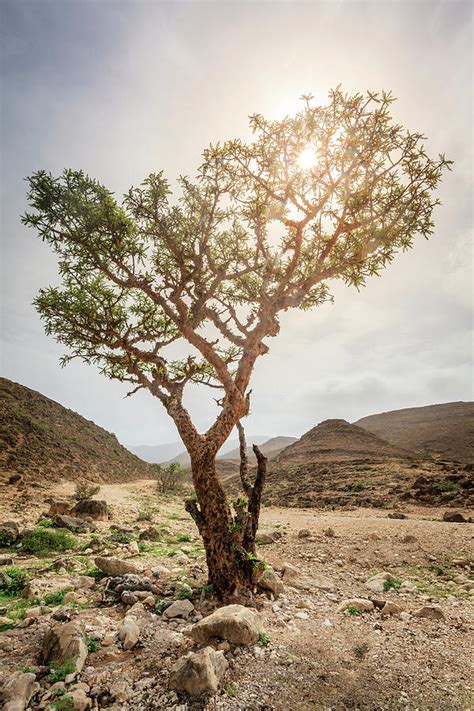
43	440
340	464
230	446
159	453
445	430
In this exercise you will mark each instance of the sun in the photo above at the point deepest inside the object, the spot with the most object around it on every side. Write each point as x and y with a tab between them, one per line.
307	158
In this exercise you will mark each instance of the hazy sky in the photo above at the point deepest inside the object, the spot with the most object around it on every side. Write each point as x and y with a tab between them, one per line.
124	88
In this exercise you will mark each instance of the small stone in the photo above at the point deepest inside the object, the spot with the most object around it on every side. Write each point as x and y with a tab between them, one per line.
304	533
270	581
390	608
265	537
198	672
129	633
396	515
376	582
359	604
409	539
128	597
405	616
115	567
179	608
430	612
454	517
329	532
302	616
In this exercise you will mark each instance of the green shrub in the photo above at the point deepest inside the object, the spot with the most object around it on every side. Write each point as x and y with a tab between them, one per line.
59	669
63	703
395	583
184	538
169	479
94	573
46	523
446	486
358	486
185	593
6	626
86	491
92	644
263	639
43	540
54	598
352	610
12	581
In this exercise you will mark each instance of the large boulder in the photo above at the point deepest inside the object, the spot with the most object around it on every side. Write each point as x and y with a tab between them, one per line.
296	579
115	567
9	533
56	507
198	672
18	691
235	623
96	509
65	641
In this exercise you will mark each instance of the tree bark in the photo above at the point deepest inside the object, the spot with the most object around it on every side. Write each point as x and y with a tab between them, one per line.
229	540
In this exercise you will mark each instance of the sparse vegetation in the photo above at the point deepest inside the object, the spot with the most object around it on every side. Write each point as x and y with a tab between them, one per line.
169	479
447	486
352	610
54	598
46	522
394	583
184	538
12	581
60	669
42	540
358	486
92	644
85	491
263	639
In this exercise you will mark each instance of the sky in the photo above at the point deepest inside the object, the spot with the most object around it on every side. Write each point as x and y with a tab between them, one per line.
124	88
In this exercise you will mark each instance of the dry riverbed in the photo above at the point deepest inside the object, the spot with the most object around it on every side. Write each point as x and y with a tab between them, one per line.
312	655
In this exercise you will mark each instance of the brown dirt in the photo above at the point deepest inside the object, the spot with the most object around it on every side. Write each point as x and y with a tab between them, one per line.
329	661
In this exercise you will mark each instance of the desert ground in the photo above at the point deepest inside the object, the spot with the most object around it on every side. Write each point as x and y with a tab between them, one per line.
414	654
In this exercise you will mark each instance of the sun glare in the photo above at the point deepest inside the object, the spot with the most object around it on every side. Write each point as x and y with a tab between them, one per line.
307	158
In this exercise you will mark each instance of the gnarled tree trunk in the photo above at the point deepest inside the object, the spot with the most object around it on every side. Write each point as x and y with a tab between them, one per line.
228	536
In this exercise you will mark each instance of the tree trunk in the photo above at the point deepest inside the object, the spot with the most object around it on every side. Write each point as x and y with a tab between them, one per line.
231	570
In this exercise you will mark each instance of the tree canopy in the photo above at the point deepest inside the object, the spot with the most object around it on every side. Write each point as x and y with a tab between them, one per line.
333	192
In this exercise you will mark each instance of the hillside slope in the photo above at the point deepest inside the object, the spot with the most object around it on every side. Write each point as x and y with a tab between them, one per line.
339	464
271	448
43	440
445	430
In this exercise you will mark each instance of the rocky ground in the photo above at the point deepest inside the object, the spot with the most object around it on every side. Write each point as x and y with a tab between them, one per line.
367	612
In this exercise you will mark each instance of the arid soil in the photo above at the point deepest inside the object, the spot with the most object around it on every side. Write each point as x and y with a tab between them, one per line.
316	656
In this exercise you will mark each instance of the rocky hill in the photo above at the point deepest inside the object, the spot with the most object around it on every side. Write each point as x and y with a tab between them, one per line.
271	449
340	464
445	430
42	440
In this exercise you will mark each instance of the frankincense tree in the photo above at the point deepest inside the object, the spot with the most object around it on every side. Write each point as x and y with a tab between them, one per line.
333	192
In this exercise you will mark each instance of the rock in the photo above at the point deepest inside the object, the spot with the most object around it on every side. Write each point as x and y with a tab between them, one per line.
6	561
235	623
79	699
198	672
133	548
128	598
390	608
301	615
358	603
83	582
65	641
409	539
129	632
94	508
56	507
373	536
149	534
454	517
15	479
304	533
9	533
376	582
408	586
18	691
430	612
396	514
179	608
269	580
33	612
265	537
329	532
74	523
115	567
405	616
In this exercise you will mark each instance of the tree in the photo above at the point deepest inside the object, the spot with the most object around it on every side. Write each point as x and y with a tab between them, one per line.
333	192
